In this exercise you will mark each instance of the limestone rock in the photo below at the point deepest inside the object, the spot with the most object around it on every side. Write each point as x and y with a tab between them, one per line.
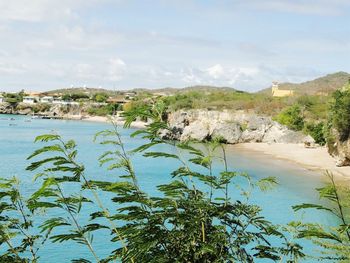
339	149
229	132
233	127
197	130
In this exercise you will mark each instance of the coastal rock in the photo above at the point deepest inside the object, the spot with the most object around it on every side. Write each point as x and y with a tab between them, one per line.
26	111
228	132
198	130
5	108
232	127
339	149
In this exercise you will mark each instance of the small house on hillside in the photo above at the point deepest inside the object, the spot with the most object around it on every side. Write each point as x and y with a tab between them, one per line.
130	95
277	92
2	99
30	99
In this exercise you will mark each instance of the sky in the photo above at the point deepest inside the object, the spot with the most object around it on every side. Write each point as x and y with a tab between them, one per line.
124	44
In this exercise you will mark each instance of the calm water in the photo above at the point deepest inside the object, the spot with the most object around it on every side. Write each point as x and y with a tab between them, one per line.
296	185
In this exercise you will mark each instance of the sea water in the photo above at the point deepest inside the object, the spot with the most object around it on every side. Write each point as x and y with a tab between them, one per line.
296	185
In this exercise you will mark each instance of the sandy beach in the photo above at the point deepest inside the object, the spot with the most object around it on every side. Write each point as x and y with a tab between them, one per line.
135	124
315	159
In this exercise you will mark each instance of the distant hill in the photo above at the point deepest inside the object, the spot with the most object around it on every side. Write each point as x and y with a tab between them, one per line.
90	91
166	91
326	84
202	88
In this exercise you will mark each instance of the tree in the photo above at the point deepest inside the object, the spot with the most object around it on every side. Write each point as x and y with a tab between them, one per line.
100	97
340	113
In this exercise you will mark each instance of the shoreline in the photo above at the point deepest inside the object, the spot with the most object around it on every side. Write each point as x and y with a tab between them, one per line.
135	124
100	119
314	159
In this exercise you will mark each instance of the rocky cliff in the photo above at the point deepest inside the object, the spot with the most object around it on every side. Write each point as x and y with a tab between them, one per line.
230	126
339	148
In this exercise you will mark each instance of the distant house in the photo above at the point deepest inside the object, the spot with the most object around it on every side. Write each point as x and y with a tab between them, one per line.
277	92
46	99
2	99
30	99
130	95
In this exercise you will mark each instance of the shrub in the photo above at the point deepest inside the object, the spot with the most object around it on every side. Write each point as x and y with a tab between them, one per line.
340	113
317	131
75	96
335	240
291	117
103	110
100	97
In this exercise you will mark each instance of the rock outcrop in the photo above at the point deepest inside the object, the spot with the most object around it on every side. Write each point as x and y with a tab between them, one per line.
230	127
53	110
339	148
5	108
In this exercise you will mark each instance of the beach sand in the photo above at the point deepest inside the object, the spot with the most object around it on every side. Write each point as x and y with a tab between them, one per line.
135	124
315	159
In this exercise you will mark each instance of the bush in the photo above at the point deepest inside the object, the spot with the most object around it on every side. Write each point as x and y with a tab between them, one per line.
340	113
103	110
100	97
334	241
291	117
75	96
317	131
14	98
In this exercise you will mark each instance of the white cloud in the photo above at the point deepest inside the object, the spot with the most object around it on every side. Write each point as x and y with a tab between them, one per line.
12	68
50	43
35	10
216	71
116	69
189	76
313	7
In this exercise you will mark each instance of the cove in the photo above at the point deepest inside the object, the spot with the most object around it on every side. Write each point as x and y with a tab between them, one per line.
296	184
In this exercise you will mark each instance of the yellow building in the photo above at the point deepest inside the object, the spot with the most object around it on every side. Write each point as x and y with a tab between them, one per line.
276	92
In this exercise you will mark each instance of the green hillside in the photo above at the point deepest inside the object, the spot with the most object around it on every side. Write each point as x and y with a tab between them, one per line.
325	85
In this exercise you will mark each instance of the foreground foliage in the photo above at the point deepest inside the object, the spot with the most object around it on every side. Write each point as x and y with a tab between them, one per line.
334	241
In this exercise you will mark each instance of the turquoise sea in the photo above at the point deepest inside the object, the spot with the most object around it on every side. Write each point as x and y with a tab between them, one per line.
296	184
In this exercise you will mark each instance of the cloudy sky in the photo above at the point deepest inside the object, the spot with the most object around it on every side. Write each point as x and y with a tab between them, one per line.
47	44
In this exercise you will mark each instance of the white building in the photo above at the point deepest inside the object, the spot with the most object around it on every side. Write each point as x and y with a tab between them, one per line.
46	99
2	99
29	99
